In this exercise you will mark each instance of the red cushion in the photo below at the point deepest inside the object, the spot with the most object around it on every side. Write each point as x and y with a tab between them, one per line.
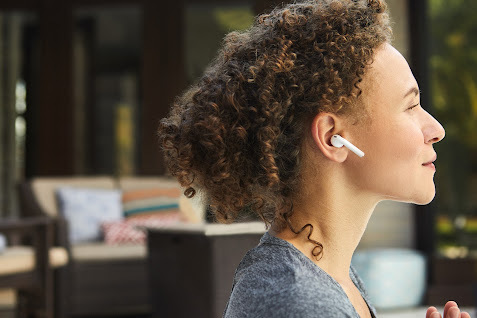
129	230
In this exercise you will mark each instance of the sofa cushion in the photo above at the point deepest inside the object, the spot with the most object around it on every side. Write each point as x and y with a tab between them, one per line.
20	259
137	183
131	230
8	298
192	210
122	232
44	189
86	209
100	252
150	201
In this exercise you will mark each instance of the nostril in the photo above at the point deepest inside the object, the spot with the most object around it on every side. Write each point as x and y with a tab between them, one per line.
434	140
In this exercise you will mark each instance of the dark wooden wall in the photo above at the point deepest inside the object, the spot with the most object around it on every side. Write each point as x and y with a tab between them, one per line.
163	74
54	133
51	132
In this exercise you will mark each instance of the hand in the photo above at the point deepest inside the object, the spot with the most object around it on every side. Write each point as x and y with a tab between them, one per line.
451	310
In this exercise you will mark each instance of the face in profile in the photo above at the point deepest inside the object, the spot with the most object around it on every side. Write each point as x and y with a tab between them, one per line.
398	138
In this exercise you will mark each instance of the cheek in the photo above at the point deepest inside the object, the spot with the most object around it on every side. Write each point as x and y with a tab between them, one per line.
395	141
391	159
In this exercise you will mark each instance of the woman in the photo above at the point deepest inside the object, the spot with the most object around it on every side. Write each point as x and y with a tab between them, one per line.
256	133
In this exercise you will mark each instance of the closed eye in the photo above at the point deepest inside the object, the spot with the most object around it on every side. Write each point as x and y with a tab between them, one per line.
413	106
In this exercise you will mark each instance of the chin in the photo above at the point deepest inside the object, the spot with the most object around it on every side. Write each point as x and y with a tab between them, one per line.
425	198
423	202
421	198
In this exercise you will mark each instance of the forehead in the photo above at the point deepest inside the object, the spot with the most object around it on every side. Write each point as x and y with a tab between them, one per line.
388	78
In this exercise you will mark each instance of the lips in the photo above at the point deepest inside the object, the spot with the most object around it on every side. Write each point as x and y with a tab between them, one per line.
430	163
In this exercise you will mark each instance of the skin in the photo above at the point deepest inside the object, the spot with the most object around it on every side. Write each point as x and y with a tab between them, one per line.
451	310
342	190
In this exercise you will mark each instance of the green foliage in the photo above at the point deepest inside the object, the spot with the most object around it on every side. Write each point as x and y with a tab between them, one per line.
454	67
205	28
234	19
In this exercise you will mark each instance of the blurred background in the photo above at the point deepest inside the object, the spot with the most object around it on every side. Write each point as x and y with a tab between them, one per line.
84	83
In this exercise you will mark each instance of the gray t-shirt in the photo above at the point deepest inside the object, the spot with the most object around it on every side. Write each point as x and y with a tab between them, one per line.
276	280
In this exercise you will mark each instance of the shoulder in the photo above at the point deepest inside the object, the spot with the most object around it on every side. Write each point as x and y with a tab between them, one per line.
275	281
279	300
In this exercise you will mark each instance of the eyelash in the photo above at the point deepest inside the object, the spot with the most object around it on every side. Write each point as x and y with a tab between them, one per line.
413	106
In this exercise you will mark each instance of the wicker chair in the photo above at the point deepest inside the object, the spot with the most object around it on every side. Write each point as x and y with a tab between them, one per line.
26	265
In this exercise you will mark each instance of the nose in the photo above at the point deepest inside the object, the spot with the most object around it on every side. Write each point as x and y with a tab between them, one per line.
433	130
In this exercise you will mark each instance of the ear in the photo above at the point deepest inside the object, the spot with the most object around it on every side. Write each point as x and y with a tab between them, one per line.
323	127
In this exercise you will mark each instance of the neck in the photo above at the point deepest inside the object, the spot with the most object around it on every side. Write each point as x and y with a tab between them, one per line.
339	217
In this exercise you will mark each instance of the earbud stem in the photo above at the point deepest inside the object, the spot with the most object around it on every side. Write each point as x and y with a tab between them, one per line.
339	141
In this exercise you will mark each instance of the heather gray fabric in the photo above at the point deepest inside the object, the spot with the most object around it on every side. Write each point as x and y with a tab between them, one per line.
276	280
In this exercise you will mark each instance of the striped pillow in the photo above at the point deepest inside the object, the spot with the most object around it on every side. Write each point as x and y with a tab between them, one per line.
150	201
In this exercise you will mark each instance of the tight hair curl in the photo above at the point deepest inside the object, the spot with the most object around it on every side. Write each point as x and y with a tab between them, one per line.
236	134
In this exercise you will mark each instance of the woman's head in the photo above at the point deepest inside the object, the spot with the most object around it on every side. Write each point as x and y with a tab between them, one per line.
237	133
398	138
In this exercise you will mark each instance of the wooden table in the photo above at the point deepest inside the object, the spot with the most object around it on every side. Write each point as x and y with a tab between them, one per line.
191	267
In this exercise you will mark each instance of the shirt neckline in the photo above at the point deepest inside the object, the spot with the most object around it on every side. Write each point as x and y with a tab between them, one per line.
267	238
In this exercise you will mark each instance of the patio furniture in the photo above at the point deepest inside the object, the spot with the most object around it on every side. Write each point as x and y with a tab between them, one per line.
191	267
27	262
101	278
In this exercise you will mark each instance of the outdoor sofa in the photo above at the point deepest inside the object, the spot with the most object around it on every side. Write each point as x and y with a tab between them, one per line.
106	275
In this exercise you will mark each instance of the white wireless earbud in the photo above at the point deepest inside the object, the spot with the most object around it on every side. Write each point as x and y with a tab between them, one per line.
339	142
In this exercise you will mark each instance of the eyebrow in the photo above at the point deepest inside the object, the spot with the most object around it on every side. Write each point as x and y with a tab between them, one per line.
414	90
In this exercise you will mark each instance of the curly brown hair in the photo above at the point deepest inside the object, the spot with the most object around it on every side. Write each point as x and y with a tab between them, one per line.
237	133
